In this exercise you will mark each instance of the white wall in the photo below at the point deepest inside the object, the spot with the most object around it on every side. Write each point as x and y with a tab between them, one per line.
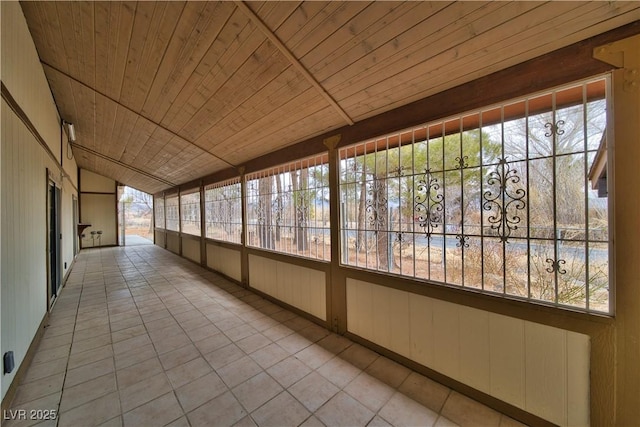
99	210
301	287
226	261
23	194
22	74
68	228
23	234
538	368
98	207
95	183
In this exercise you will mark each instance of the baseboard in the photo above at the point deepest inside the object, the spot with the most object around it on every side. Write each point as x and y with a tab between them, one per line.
514	412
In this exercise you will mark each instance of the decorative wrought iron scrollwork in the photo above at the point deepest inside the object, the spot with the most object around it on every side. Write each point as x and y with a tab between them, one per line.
260	214
302	209
461	162
555	266
429	203
397	171
554	128
463	241
376	205
278	209
504	201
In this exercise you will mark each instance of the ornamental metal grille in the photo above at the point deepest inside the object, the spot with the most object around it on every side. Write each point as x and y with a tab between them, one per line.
190	212
223	211
171	204
158	208
501	200
171	213
288	209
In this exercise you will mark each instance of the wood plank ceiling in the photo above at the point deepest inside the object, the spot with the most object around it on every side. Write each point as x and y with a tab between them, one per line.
162	93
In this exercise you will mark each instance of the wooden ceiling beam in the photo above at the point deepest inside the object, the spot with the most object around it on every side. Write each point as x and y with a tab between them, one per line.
122	164
133	111
292	59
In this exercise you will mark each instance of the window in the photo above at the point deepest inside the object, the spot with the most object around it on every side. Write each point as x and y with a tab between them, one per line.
190	212
171	213
223	211
288	209
498	200
158	208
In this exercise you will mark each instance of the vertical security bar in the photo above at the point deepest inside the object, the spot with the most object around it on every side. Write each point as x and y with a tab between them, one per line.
585	173
462	235
504	206
554	186
526	115
444	211
482	166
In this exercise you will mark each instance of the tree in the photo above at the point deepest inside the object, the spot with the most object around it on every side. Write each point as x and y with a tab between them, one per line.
279	206
395	176
557	185
265	217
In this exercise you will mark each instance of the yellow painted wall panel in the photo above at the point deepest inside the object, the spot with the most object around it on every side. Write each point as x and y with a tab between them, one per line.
23	75
262	274
446	343
380	316
578	350
475	364
522	363
390	322
191	249
398	302
94	183
224	260
360	313
24	164
421	329
23	234
160	237
99	210
546	372
301	287
285	277
68	228
173	243
506	345
295	285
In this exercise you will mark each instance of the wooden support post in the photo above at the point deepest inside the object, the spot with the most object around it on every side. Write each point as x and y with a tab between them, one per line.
622	391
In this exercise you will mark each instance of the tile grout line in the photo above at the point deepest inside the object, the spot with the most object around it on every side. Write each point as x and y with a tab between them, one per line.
64	380
164	372
226	301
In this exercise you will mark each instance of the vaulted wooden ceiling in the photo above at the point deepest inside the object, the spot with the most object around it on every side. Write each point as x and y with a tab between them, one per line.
162	93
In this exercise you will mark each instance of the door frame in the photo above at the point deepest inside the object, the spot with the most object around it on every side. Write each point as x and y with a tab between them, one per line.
54	237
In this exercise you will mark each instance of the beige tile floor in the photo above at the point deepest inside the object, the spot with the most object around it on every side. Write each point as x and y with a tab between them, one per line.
141	337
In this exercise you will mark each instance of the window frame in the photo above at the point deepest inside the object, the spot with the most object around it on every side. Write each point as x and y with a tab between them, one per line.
171	206
158	207
306	201
556	265
234	205
191	227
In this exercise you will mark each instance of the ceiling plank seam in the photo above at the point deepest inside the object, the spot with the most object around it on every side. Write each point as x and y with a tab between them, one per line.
124	165
292	59
134	112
